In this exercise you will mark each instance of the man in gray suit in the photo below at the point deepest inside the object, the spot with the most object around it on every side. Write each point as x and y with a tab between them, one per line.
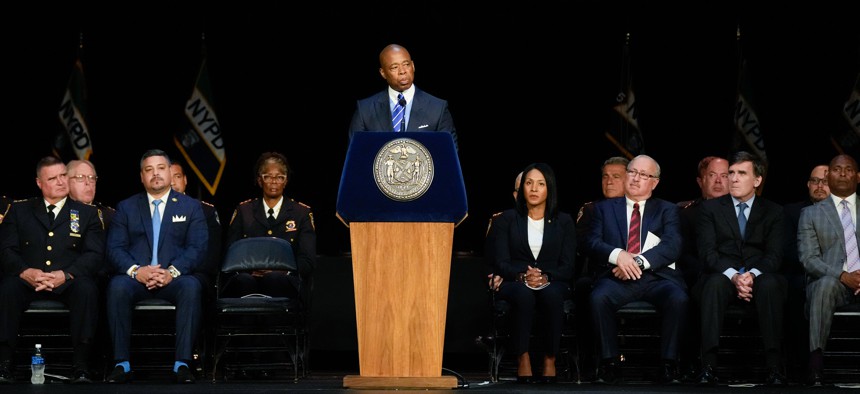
416	109
827	245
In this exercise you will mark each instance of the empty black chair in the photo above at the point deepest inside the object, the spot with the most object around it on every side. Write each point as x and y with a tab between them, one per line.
236	317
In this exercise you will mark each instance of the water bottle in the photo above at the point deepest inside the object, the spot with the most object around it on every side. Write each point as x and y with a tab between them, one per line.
38	366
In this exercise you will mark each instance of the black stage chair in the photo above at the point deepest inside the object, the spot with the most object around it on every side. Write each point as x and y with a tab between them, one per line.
286	318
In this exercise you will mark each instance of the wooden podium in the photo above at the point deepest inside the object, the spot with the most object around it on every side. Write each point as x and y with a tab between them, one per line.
401	259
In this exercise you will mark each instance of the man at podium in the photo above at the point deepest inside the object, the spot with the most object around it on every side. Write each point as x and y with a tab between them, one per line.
401	107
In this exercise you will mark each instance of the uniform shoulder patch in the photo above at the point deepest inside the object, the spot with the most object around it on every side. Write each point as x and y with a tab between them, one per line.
207	203
303	204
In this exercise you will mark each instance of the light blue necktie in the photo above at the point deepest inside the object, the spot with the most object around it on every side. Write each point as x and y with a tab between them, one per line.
156	228
742	219
853	256
397	114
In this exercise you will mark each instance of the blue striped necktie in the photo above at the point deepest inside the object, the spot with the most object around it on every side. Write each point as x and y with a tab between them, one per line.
397	114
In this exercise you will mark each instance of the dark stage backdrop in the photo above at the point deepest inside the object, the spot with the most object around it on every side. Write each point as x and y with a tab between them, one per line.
524	84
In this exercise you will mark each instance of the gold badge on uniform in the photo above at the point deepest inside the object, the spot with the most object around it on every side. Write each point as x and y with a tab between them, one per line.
291	225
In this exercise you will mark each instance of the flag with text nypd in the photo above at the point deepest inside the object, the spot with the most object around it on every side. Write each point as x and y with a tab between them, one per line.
201	142
74	138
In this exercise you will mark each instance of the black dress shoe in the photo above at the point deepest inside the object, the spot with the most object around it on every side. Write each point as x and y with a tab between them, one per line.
775	378
81	376
525	379
668	374
6	375
118	375
549	379
815	379
707	376
184	375
608	373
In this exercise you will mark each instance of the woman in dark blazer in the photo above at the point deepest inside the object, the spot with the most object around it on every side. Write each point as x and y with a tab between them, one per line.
535	251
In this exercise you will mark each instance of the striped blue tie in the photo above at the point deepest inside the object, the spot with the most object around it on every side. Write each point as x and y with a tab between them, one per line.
397	114
156	228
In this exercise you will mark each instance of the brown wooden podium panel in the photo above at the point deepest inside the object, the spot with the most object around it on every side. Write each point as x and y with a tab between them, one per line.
401	273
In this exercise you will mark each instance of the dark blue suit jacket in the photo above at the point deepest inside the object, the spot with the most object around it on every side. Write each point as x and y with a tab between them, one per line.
609	231
182	241
428	113
514	255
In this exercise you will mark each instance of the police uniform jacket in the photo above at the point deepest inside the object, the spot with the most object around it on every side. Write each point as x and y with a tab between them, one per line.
295	223
74	243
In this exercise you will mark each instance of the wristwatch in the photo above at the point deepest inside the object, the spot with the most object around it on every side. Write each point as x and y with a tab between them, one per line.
639	262
67	275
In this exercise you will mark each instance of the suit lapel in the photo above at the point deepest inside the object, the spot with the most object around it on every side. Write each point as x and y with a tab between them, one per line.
731	216
39	206
383	111
619	208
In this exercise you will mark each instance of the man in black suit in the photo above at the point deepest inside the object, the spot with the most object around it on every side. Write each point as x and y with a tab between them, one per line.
413	108
637	239
51	248
740	241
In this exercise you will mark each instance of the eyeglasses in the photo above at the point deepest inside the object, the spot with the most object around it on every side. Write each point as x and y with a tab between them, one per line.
87	178
817	181
634	173
274	178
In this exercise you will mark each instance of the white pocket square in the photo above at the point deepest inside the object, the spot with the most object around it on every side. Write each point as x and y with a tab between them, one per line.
423	126
177	218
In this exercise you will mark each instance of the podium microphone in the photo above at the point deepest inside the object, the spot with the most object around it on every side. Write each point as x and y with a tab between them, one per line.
402	103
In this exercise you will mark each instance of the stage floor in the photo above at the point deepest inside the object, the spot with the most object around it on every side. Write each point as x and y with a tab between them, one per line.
333	382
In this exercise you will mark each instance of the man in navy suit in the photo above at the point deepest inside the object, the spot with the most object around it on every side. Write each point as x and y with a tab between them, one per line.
423	112
643	269
740	241
167	273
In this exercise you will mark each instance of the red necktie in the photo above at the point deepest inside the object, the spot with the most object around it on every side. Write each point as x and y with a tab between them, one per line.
633	236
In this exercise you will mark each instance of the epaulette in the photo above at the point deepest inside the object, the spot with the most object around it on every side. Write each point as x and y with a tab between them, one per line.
686	204
235	213
581	210
303	204
492	219
22	200
247	201
104	207
207	203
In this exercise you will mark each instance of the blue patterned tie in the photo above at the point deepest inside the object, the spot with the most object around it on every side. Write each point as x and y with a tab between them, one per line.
853	262
397	114
156	228
742	219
